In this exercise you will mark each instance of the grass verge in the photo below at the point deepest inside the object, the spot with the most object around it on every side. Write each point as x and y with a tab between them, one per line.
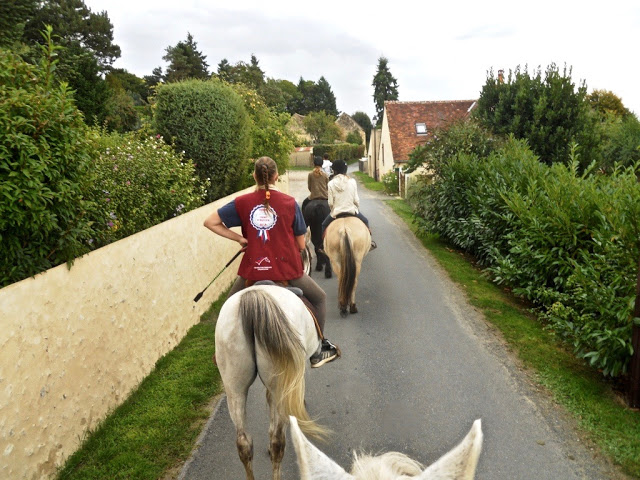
598	410
155	429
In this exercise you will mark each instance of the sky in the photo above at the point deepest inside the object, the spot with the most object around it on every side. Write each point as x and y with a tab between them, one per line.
435	50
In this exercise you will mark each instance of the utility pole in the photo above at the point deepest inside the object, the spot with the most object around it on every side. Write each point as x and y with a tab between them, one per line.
634	387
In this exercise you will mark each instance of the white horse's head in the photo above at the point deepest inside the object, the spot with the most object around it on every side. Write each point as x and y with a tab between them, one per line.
458	464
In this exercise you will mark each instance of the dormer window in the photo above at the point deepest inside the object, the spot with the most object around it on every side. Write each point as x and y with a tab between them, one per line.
421	128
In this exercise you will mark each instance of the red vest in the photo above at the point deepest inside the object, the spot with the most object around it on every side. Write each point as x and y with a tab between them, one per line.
272	252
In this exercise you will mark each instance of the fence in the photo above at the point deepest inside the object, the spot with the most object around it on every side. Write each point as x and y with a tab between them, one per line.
75	343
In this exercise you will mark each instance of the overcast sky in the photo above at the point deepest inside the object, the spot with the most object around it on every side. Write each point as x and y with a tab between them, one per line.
436	50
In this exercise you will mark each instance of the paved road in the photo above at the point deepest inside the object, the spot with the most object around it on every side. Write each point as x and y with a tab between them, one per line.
418	367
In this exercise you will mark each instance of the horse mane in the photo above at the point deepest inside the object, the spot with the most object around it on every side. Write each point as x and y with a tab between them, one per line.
388	465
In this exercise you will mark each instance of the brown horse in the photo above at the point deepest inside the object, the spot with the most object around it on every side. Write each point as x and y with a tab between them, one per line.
346	242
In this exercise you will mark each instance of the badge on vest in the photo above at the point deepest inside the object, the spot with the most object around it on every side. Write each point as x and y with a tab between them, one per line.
263	220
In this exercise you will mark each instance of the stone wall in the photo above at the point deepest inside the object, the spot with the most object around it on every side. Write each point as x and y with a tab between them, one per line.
75	343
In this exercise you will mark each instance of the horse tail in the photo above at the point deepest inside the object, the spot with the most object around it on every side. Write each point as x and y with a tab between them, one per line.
347	280
264	321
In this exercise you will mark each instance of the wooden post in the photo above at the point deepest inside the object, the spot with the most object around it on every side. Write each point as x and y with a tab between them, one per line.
634	387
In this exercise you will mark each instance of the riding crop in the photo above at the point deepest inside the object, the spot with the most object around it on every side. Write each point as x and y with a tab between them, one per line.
199	296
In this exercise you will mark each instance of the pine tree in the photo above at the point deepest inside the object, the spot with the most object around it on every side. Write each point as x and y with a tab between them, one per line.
185	61
385	87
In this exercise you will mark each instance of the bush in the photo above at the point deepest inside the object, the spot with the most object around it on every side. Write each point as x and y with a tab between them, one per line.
45	167
140	183
207	120
354	138
269	134
390	182
340	151
567	243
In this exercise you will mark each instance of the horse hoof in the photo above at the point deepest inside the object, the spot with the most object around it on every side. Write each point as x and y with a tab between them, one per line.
318	267
353	308
327	273
343	312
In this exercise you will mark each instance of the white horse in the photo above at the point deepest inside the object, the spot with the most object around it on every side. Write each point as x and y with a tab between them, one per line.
458	464
266	331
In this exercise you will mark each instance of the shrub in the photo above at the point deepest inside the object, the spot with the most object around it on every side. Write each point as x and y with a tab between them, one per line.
269	134
568	243
141	182
340	151
390	182
45	167
207	120
354	138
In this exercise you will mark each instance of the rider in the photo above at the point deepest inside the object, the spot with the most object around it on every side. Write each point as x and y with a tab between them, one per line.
343	197
317	182
272	237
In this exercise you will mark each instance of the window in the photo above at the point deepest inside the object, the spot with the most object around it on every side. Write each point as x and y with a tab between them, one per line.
421	128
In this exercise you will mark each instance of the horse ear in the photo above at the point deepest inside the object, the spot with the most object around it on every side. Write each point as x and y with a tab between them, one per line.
459	463
312	462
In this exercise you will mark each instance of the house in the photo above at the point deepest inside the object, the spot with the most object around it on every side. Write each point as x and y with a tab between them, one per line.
348	125
405	125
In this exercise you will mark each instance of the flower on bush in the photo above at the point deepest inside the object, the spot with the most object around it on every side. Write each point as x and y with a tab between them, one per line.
141	182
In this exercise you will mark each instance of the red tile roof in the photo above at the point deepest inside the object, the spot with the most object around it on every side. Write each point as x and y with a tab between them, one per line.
403	116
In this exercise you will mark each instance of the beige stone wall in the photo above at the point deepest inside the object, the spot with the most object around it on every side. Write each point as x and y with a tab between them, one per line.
385	155
75	343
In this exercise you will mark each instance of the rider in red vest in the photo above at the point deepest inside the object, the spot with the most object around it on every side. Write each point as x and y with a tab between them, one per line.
272	237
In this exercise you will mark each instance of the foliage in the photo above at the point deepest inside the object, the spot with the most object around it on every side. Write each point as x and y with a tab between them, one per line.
208	121
465	136
14	16
606	103
76	28
354	138
314	97
185	61
390	182
279	95
364	121
549	112
619	142
340	151
249	74
140	182
322	127
45	168
385	87
567	243
269	134
133	85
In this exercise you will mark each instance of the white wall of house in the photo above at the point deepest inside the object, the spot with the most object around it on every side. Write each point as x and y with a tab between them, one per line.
75	343
373	152
385	157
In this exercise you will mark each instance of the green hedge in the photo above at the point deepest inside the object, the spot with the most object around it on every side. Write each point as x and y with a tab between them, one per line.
207	121
568	243
45	168
340	151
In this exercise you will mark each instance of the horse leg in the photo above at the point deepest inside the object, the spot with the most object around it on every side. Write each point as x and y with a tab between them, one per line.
277	438
327	268
237	410
352	306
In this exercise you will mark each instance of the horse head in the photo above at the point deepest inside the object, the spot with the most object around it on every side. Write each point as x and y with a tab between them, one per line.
458	464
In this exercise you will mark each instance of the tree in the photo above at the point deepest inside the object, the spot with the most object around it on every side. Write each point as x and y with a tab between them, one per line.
322	127
14	16
607	103
185	61
385	87
225	70
546	110
364	121
74	24
324	98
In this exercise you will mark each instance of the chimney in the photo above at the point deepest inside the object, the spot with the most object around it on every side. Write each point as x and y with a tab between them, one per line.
500	76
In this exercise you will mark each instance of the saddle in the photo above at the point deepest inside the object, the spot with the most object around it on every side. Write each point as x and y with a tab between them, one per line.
298	292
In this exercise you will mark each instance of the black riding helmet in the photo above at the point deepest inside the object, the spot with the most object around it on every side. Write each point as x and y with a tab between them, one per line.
339	167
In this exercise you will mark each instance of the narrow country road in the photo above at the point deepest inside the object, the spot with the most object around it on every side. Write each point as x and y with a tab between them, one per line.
419	365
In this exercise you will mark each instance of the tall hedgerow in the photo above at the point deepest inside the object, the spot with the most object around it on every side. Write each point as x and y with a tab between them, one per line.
45	168
207	121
